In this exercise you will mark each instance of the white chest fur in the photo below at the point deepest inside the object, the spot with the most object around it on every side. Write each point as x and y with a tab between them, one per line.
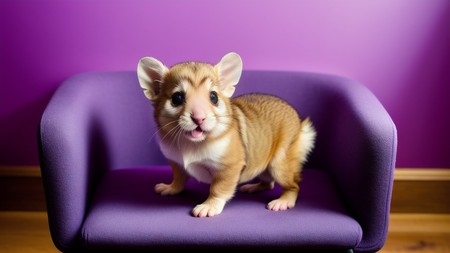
200	161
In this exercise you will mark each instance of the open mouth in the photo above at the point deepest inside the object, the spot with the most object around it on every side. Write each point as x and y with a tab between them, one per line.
196	133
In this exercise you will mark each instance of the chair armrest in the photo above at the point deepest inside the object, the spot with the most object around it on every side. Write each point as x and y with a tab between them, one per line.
361	156
356	140
93	123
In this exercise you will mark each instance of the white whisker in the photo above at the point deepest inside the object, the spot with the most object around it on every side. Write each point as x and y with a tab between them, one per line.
160	129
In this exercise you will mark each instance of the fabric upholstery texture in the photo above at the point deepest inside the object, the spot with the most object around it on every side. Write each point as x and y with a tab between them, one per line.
100	160
127	213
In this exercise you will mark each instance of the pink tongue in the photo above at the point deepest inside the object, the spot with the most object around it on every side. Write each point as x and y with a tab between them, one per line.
196	132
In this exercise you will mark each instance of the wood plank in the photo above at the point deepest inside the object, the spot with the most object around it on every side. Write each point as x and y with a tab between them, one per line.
25	232
420	233
430	174
22	194
421	191
21	189
20	171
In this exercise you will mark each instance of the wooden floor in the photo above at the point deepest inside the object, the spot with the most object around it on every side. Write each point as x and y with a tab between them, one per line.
27	232
427	233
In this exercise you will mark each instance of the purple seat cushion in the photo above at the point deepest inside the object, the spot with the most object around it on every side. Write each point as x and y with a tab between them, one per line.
127	213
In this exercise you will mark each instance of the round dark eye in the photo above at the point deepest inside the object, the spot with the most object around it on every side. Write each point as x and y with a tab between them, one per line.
214	98
177	98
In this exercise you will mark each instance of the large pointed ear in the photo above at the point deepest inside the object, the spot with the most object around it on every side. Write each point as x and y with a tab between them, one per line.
229	69
150	72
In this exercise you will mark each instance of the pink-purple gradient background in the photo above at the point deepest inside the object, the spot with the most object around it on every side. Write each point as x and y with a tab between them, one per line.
398	48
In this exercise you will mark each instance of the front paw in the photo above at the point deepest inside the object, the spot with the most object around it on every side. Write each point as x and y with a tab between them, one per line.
280	205
209	208
167	189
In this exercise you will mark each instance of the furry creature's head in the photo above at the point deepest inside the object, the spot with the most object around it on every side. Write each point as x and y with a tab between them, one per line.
191	99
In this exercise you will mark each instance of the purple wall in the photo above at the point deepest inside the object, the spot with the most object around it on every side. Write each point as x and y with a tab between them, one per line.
399	49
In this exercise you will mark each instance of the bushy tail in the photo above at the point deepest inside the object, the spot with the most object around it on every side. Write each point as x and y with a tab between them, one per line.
307	139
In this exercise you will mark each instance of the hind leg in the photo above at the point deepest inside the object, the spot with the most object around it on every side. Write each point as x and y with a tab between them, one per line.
285	169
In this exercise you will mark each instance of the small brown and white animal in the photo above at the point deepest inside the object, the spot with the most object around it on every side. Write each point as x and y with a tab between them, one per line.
224	141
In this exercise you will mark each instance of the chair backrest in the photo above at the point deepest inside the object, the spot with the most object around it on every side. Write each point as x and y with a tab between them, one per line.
129	130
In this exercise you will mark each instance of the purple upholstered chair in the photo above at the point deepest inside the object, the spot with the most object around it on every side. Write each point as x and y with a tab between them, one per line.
100	161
